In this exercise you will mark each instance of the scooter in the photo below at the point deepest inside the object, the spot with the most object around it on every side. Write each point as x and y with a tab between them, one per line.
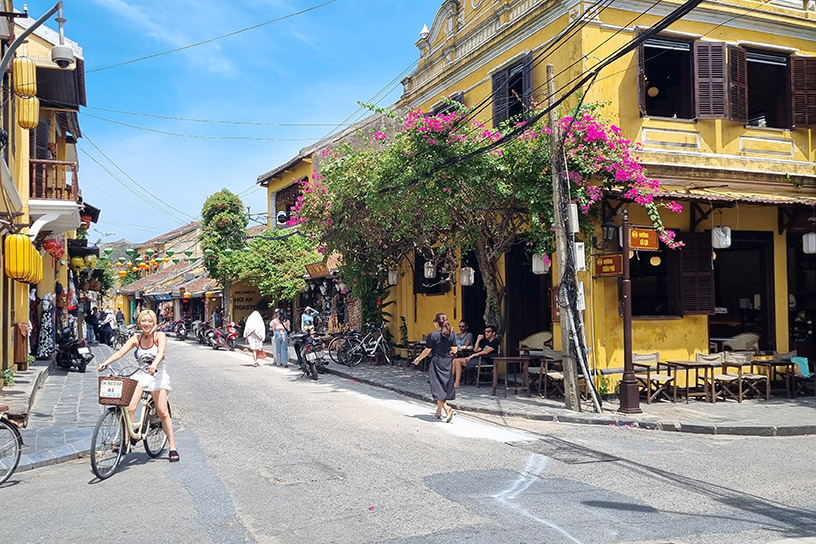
219	338
180	329
72	352
201	332
310	357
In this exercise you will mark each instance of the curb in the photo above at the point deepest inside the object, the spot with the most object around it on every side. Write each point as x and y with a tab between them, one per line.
53	456
608	419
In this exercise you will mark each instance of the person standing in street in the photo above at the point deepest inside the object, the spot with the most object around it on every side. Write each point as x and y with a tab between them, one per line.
120	317
254	331
441	346
90	326
307	319
281	327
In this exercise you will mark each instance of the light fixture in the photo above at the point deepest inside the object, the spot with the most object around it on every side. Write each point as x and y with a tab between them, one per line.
652	91
393	277
467	276
809	243
187	294
228	251
170	252
208	294
429	270
424	32
655	260
721	237
540	266
608	230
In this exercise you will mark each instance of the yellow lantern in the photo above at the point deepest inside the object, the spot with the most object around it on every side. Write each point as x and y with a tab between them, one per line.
24	73
28	112
90	260
122	273
135	268
77	263
38	270
32	259
17	256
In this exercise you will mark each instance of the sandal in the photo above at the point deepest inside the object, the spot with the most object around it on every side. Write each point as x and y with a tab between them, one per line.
174	456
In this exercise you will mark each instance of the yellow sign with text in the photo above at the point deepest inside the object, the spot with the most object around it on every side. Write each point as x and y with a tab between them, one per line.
609	265
643	239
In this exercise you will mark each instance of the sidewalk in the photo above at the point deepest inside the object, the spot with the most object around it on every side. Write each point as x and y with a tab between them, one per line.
62	408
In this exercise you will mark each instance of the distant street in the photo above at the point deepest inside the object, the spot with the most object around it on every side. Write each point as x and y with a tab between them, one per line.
269	457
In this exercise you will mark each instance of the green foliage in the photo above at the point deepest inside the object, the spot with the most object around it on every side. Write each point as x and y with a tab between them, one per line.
273	264
109	276
8	377
129	278
403	328
224	222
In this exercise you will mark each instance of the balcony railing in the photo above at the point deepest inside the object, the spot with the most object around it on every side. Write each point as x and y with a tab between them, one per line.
54	180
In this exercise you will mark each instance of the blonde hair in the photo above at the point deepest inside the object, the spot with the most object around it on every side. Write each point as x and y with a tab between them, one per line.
152	315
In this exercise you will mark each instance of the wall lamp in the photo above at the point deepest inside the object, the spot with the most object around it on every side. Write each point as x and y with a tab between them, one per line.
609	229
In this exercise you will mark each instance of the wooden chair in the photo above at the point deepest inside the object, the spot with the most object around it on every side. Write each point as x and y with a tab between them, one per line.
488	367
536	372
738	360
537	341
655	384
725	381
802	377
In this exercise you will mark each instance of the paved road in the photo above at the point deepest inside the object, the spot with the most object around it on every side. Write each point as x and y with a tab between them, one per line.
269	457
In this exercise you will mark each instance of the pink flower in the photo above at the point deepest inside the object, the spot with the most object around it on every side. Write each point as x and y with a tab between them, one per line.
380	136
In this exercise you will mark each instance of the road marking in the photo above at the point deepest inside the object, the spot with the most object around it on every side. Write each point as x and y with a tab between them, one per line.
532	471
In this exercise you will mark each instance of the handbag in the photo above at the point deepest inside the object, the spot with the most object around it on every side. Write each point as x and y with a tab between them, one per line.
262	354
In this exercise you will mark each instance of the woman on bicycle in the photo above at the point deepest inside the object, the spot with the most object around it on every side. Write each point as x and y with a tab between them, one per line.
441	345
154	378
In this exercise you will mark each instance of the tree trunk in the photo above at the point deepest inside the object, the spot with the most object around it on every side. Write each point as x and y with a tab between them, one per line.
227	303
493	314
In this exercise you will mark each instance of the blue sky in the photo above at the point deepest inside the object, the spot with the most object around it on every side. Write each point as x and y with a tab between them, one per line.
311	68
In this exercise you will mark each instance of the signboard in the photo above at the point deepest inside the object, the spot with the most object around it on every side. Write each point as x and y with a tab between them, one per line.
555	309
608	265
244	301
643	239
317	270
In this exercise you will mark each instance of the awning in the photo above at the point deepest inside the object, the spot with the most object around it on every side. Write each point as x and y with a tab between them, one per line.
722	195
159	297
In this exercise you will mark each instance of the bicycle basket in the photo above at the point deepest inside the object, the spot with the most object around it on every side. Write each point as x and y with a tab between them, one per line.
116	390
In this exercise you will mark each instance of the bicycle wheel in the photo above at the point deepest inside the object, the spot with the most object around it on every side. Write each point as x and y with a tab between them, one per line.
10	445
387	350
231	344
108	443
334	348
351	352
154	438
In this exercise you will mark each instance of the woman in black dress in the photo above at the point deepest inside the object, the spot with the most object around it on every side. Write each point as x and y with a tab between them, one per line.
441	345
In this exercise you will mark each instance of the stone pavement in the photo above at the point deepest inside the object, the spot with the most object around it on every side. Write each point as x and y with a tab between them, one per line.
61	408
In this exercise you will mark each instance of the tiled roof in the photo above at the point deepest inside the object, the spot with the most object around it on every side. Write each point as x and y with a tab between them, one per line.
163	238
151	282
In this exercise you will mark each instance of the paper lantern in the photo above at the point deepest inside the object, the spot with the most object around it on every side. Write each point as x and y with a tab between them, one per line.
135	268
540	266
24	74
54	248
467	276
193	259
77	263
188	252
107	251
130	251
122	273
429	271
176	260
721	237
129	264
809	243
170	252
187	295
208	252
122	260
17	256
90	260
393	277
150	252
228	251
28	112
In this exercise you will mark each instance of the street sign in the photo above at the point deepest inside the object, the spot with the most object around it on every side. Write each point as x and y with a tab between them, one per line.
317	270
608	265
643	239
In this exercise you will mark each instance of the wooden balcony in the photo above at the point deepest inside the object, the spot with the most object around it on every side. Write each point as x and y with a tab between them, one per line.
54	180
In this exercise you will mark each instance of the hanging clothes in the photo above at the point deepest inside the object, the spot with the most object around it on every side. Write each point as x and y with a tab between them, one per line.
45	345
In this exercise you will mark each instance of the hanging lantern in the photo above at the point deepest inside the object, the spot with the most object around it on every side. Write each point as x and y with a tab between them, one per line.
135	268
85	219
540	265
208	252
28	112
129	264
393	277
208	294
721	237
24	75
176	260
150	252
187	295
228	251
122	260
170	252
107	251
809	243
341	286
122	273
154	262
467	276
247	248
117	265
165	260
429	270
90	260
54	248
188	252
39	269
17	256
193	259
130	252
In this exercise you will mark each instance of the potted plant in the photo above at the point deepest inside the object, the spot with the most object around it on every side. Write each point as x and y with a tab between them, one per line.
7	376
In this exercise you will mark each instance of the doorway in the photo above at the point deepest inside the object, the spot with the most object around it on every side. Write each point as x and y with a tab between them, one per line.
528	298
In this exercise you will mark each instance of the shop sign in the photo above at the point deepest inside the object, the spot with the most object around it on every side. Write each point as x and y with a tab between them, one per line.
608	265
643	239
317	270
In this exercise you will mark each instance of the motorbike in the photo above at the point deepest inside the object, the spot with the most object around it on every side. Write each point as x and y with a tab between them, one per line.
218	338
201	331
309	353
180	329
72	352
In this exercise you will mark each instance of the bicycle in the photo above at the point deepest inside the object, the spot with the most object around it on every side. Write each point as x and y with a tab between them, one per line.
336	342
115	431
353	349
121	335
11	444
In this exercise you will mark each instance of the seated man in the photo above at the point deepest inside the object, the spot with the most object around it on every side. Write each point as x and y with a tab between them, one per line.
464	339
486	346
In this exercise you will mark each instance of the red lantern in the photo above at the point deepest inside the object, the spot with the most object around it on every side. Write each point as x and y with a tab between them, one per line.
85	219
54	248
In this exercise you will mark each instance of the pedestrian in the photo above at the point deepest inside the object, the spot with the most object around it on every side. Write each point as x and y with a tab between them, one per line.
106	327
307	319
254	331
120	316
281	327
90	326
441	345
217	320
151	344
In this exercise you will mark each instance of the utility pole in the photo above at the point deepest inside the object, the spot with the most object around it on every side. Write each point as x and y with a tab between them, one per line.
629	393
559	207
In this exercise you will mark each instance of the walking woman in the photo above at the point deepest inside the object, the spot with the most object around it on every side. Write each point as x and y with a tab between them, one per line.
154	378
441	346
281	327
254	332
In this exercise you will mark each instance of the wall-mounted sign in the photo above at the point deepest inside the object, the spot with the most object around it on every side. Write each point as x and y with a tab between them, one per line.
609	265
317	270
643	239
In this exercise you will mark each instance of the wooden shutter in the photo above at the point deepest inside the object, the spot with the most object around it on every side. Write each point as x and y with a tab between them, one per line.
738	84
709	78
527	82
696	274
641	77
500	98
803	86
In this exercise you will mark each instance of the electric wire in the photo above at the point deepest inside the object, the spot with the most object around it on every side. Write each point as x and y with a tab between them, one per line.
114	197
213	121
229	34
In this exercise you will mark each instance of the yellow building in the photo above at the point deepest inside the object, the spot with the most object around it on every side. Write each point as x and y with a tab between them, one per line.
42	198
722	103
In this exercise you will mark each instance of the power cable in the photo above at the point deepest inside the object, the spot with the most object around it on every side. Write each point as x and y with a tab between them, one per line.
229	34
96	187
187	119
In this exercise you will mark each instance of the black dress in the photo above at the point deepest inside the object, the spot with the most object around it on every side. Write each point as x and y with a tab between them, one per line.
440	372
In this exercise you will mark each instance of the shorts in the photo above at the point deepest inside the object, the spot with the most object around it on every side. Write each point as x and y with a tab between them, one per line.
160	380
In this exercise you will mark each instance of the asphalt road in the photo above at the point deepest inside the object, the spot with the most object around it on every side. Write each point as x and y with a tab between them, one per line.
267	456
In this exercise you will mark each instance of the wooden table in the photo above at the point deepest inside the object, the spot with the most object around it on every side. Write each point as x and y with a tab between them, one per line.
524	361
772	366
707	368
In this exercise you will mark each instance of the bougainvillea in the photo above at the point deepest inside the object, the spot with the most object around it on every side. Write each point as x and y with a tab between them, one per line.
430	187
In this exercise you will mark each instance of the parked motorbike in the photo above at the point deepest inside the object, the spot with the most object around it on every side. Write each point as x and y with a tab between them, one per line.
309	353
180	329
72	352
201	332
219	338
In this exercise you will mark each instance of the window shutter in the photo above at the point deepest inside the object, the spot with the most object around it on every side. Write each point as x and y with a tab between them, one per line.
738	84
527	82
641	77
803	84
40	148
500	99
709	76
696	274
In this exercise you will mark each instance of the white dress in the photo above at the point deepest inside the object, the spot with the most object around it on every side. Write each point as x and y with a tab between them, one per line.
159	380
